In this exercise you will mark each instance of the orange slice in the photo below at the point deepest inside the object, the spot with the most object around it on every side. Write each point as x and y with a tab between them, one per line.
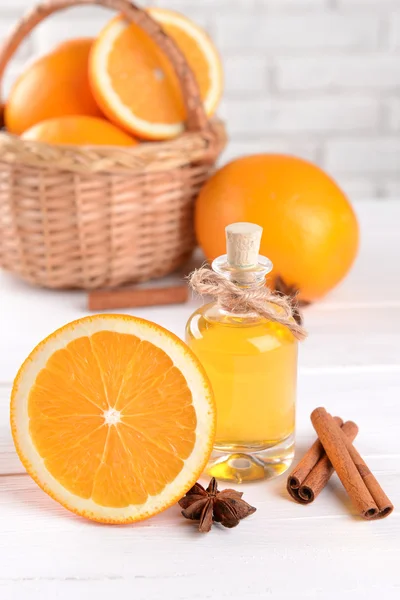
78	130
113	417
136	86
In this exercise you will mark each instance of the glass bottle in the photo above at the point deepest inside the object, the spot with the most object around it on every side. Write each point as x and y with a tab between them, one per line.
252	366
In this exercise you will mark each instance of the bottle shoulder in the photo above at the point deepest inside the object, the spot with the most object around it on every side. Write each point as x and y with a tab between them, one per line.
245	333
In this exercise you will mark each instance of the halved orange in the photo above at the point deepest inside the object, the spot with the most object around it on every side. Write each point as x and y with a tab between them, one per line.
135	84
113	416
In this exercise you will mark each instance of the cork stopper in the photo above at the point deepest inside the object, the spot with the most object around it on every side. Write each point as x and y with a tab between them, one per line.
243	244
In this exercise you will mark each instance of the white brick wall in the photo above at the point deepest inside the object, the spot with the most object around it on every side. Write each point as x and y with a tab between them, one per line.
325	31
316	78
369	72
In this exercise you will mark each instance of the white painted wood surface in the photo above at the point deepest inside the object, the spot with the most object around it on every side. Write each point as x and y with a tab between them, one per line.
350	364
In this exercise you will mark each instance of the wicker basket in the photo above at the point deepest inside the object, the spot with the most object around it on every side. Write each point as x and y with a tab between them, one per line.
88	217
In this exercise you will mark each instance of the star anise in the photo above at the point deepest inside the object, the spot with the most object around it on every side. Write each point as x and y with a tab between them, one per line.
209	505
292	292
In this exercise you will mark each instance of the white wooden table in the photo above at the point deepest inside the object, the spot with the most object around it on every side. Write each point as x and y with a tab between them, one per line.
350	364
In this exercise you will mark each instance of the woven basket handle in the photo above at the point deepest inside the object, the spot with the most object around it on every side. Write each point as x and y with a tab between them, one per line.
196	116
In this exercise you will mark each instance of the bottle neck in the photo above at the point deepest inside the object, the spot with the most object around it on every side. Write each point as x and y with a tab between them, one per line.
248	278
244	277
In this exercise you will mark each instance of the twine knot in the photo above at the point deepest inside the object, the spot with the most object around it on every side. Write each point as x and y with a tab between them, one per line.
271	305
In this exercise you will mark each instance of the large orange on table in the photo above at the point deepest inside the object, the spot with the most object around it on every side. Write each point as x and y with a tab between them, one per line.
78	130
310	230
56	84
136	85
113	417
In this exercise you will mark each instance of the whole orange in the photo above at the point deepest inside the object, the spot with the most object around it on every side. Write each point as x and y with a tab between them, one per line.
55	85
79	130
310	230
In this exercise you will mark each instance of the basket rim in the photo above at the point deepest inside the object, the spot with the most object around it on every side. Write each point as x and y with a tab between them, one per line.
190	146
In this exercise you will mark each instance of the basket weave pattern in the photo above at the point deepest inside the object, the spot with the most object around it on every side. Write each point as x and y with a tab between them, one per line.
88	217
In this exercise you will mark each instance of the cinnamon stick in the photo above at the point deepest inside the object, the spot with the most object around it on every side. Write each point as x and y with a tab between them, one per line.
135	297
313	472
362	487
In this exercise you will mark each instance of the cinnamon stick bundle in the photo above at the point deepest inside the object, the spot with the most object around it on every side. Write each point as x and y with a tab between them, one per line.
362	487
313	472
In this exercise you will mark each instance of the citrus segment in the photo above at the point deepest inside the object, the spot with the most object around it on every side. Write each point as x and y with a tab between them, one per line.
136	85
113	417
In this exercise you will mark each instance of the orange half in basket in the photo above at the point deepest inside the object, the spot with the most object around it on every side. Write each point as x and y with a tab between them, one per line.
135	84
113	417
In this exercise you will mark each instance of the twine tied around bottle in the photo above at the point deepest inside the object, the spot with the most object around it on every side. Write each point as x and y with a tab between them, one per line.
265	302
